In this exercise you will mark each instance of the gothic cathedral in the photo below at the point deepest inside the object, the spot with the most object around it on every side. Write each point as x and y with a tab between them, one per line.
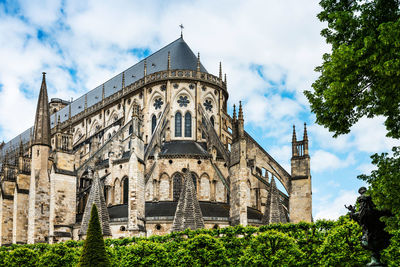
155	150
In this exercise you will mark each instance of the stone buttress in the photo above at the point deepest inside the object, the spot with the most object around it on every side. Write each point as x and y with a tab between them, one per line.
136	169
238	172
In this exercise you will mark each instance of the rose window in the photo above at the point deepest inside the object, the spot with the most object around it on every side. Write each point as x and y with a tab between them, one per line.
207	104
158	103
183	101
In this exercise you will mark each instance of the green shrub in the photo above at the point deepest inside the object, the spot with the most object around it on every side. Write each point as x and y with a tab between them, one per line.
272	248
60	255
21	257
342	246
144	253
94	252
201	250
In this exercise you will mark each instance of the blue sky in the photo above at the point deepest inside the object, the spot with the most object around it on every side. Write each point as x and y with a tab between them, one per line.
268	49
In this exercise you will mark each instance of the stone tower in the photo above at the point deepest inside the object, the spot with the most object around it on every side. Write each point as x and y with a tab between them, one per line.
238	172
300	198
39	190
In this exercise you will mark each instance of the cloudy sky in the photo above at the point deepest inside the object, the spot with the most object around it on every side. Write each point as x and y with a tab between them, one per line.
268	49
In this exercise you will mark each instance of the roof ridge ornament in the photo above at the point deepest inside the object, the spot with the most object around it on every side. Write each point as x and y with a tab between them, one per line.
181	26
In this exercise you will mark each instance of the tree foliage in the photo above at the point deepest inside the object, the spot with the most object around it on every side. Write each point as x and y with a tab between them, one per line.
326	243
361	76
94	252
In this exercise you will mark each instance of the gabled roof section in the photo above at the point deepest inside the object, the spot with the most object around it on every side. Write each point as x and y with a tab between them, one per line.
96	197
188	213
182	57
274	212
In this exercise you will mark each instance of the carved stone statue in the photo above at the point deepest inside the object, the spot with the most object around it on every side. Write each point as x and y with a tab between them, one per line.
374	237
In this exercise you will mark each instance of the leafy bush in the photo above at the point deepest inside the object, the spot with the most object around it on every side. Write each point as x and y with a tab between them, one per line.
201	250
60	255
342	247
144	253
326	243
272	248
21	257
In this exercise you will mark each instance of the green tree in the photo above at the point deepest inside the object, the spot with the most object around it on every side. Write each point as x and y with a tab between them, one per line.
361	76
94	252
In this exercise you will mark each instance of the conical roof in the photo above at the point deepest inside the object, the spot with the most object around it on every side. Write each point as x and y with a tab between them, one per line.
188	213
274	212
42	119
96	197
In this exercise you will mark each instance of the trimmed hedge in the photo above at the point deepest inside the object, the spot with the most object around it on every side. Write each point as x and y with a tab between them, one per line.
323	243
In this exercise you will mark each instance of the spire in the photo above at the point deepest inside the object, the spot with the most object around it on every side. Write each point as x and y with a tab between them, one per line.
234	112
240	117
305	136
225	79
169	61
220	70
145	68
274	212
96	197
188	213
294	139
42	118
198	62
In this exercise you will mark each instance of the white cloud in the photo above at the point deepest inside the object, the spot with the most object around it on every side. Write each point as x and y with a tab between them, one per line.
366	168
323	160
332	208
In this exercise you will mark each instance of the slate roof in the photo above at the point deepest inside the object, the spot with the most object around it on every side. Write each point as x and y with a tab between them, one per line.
182	57
183	147
168	208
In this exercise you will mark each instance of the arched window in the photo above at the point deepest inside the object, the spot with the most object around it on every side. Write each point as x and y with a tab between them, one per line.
153	123
177	186
188	125
212	120
125	190
178	124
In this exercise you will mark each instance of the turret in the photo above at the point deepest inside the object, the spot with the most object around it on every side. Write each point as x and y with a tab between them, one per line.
300	199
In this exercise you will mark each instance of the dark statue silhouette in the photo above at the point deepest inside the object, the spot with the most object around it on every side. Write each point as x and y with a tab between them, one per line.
374	237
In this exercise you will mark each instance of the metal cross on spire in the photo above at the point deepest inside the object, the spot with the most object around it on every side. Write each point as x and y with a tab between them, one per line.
181	26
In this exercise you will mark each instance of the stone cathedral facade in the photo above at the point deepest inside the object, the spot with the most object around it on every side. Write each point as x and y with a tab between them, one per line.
155	150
